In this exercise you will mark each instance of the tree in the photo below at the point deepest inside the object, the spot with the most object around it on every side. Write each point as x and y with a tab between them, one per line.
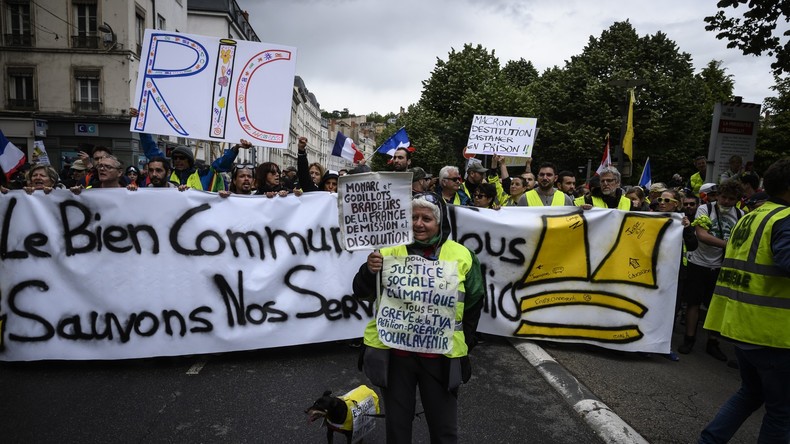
754	34
773	138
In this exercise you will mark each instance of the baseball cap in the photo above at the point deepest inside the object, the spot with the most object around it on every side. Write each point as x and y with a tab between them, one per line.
709	188
418	173
476	167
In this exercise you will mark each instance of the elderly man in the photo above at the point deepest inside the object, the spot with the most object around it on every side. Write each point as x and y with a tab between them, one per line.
450	186
609	195
545	194
109	170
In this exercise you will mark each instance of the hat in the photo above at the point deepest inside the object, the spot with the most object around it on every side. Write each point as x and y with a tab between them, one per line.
417	173
79	165
184	151
330	174
132	169
708	188
476	167
290	168
658	187
757	197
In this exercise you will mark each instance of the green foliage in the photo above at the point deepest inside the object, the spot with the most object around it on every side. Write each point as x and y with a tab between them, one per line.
773	138
754	34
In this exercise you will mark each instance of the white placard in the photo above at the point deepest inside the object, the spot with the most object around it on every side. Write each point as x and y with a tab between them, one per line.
214	89
375	210
502	135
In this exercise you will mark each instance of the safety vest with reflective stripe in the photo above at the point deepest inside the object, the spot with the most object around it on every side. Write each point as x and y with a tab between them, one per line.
449	251
534	200
624	204
751	302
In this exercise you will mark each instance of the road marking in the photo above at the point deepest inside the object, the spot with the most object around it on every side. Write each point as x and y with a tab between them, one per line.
197	367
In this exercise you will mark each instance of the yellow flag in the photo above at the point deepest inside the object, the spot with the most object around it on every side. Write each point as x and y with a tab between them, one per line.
628	139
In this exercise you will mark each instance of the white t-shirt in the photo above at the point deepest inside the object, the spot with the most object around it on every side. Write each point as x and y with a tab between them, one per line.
723	221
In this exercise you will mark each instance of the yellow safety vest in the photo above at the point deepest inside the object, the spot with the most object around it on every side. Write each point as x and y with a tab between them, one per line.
352	399
751	302
534	200
449	251
624	204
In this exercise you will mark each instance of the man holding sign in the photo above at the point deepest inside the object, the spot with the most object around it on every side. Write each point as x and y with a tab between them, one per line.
429	294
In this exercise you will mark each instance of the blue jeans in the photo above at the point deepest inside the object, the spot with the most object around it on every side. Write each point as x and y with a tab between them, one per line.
765	379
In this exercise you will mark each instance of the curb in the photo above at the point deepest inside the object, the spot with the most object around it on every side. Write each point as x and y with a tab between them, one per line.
604	422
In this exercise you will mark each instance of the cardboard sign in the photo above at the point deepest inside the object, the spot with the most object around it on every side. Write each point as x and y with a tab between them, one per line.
375	210
506	136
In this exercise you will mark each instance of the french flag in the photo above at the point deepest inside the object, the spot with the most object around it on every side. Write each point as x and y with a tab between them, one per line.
11	157
345	148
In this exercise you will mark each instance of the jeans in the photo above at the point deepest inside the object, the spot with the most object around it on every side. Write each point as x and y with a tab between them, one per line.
765	379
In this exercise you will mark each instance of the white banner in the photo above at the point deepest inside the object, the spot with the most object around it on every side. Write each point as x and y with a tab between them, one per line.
375	210
502	135
114	274
214	89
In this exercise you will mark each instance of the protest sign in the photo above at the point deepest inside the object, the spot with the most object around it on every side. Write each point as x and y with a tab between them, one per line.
214	89
506	136
417	306
733	132
91	277
375	210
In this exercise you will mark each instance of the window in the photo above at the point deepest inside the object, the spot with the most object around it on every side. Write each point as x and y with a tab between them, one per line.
139	31
85	22
86	95
20	89
18	23
161	23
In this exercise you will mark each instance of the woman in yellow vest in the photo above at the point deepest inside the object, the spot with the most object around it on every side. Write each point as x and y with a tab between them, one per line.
751	307
428	298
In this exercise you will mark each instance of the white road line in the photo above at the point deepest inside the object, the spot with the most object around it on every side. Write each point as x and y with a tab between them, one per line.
197	367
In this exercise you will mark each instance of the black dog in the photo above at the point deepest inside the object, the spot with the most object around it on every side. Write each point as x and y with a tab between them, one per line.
335	412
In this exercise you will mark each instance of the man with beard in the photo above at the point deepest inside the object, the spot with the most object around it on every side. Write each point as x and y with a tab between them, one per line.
159	172
545	194
609	195
566	182
401	160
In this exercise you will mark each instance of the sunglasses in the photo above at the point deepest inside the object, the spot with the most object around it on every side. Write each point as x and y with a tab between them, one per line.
689	204
179	158
666	200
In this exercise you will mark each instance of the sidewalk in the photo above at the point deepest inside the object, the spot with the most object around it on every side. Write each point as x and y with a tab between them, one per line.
637	398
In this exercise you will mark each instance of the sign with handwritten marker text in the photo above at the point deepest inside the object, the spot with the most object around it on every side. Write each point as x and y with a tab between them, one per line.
502	135
375	210
214	89
417	306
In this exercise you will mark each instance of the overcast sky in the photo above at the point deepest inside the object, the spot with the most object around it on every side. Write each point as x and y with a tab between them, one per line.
372	55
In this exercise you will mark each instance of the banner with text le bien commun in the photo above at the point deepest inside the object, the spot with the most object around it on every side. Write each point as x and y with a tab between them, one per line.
114	274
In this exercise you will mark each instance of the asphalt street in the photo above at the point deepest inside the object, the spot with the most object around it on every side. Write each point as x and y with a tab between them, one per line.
259	396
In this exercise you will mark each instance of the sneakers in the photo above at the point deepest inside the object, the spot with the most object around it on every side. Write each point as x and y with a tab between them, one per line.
712	348
688	344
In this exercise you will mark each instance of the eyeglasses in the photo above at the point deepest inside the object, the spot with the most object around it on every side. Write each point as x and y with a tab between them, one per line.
666	200
689	204
454	179
104	166
430	197
608	181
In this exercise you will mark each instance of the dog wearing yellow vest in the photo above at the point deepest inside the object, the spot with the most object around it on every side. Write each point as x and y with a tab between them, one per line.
349	414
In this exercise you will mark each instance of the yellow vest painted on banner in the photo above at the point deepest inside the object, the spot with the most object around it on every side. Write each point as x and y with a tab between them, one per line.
751	302
452	252
534	200
624	204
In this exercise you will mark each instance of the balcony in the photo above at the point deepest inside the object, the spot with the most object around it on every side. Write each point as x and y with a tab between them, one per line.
22	104
20	40
85	41
91	107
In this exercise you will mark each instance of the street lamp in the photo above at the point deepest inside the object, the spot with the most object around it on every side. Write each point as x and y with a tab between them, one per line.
627	84
109	38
